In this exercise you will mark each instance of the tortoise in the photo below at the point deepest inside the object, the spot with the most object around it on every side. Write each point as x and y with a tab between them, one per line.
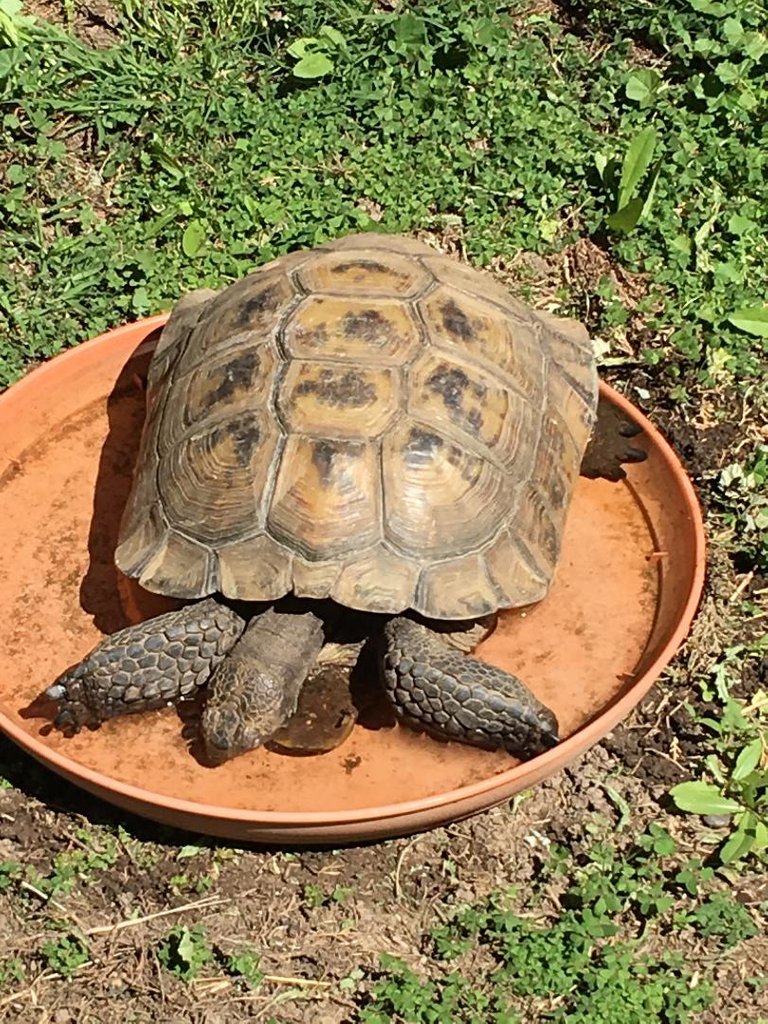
371	426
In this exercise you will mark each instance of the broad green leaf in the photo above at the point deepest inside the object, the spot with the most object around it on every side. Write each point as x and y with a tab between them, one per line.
641	85
739	225
188	948
752	319
140	300
636	163
747	100
748	760
485	32
8	61
193	238
733	30
300	47
756	45
728	72
189	851
741	842
549	227
761	836
651	190
15	174
702	798
9	32
710	7
410	30
625	218
314	65
333	35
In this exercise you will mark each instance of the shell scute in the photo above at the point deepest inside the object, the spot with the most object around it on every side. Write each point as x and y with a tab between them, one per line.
337	400
378	331
439	497
226	385
484	335
325	501
379	274
211	483
248	312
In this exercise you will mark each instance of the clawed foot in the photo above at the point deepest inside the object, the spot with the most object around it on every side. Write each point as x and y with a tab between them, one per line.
609	448
146	666
459	697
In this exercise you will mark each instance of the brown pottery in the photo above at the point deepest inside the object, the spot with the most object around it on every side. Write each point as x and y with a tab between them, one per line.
625	593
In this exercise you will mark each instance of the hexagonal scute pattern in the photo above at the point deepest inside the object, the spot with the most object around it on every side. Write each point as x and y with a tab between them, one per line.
466	402
326	497
211	484
354	274
369	421
479	332
440	498
337	400
380	332
246	313
225	385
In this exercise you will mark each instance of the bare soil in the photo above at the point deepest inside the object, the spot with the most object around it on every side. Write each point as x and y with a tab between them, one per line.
392	892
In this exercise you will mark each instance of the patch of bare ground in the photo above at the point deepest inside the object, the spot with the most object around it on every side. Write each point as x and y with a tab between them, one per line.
314	917
96	23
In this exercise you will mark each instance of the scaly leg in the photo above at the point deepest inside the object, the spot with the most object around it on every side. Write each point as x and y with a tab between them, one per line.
146	666
459	697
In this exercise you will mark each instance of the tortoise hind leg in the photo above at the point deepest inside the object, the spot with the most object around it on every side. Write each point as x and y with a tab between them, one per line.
460	698
609	446
146	666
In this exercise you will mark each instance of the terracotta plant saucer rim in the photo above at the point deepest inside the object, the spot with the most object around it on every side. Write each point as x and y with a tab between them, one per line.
467	798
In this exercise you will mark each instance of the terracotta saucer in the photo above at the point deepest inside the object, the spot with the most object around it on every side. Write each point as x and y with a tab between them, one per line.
625	594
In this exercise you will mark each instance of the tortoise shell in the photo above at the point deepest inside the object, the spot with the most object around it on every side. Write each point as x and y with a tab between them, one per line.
368	421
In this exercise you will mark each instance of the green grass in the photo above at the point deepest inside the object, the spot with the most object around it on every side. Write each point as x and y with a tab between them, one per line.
609	947
205	154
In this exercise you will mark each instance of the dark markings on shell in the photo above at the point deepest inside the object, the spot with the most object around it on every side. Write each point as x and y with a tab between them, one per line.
367	325
244	434
246	437
456	321
475	420
422	445
348	389
237	374
322	458
450	383
316	336
264	300
556	491
371	266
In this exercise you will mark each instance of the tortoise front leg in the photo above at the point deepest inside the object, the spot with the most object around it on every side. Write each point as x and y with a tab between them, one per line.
459	697
146	666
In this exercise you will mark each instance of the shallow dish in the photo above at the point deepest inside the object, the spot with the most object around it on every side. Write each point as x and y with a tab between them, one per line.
625	593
